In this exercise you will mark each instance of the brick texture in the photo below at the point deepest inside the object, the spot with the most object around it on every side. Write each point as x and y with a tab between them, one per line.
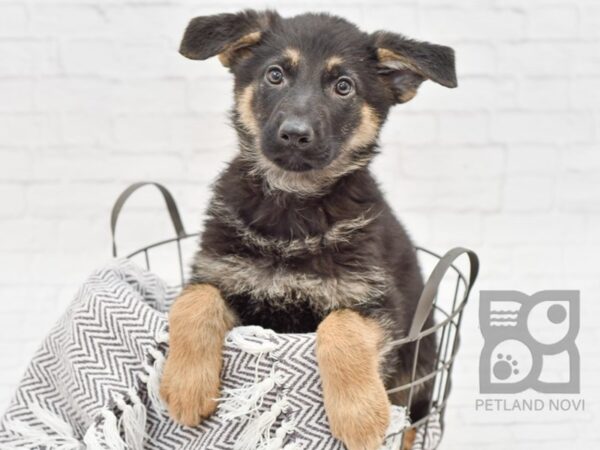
94	96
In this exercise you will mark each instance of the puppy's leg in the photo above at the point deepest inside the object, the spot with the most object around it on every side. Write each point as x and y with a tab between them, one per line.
356	404
198	322
409	439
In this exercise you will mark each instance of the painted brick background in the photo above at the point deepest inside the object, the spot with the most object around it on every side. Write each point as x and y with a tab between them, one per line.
94	96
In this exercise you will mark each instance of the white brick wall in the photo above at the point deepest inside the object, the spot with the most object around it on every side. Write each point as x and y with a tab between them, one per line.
93	96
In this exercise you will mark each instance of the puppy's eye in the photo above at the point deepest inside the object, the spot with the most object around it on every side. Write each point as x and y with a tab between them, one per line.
274	75
343	86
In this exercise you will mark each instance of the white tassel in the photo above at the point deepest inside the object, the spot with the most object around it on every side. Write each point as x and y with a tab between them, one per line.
258	431
152	380
139	414
162	337
26	432
132	420
52	421
91	439
110	430
286	428
28	437
61	437
240	338
237	402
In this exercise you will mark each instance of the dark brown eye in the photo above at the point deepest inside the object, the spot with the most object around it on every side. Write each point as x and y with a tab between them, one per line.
343	86
274	75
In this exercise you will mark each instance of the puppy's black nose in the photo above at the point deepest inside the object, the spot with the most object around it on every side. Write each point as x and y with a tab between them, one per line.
296	132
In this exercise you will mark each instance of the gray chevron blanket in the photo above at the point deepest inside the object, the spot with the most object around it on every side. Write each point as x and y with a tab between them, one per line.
94	381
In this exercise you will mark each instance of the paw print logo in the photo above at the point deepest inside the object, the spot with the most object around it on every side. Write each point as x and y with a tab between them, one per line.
524	337
505	367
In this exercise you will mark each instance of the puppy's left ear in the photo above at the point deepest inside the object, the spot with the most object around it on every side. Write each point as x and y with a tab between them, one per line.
405	64
230	36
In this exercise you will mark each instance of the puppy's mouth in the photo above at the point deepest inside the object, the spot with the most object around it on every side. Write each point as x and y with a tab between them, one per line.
293	163
297	161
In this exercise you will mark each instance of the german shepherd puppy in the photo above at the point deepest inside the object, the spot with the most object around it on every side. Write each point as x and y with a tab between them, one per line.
299	238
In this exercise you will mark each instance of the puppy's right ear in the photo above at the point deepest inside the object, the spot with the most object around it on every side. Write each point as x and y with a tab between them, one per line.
230	36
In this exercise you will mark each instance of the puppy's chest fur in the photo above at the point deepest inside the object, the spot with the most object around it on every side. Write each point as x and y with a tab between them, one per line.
286	268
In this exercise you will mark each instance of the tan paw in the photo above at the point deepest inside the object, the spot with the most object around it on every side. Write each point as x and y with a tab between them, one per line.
190	392
409	439
356	403
360	419
198	321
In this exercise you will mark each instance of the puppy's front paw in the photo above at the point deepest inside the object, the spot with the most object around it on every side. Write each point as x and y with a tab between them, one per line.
356	403
409	439
360	417
198	322
190	391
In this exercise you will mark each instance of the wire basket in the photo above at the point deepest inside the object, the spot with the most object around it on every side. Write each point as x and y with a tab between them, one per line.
445	295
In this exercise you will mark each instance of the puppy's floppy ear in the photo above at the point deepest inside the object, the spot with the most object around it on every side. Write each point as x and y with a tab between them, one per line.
228	35
405	64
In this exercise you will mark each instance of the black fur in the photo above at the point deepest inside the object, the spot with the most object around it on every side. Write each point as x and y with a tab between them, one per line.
254	220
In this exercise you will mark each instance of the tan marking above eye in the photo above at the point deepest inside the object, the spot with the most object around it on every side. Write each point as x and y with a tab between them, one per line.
293	55
332	62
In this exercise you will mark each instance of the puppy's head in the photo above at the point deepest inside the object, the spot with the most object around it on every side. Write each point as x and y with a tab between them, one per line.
312	91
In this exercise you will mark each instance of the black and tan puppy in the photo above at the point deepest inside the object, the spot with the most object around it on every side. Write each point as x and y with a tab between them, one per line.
299	237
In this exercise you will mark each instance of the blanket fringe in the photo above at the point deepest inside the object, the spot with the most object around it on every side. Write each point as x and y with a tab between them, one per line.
52	421
110	431
132	420
162	337
91	439
152	377
247	400
286	428
128	415
237	402
242	337
258	431
61	438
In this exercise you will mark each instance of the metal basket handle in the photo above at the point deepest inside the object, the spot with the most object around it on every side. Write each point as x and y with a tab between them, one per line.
169	201
433	283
